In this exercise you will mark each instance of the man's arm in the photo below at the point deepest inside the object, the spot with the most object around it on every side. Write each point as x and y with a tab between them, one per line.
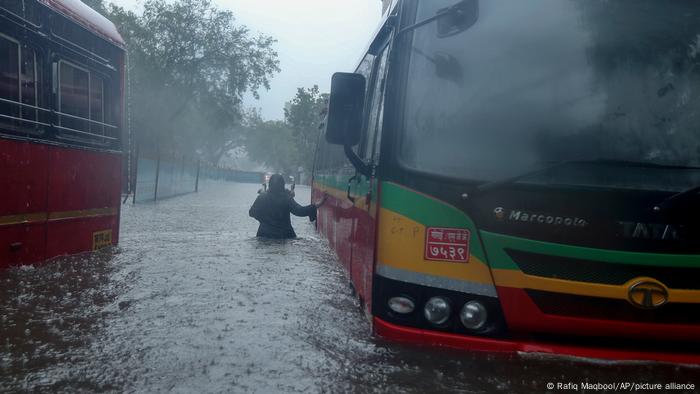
309	210
298	210
254	211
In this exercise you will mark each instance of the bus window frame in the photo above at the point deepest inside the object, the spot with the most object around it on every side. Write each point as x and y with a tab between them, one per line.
383	55
59	109
75	135
361	147
35	5
19	73
36	86
394	89
380	46
368	146
102	101
37	128
50	46
395	104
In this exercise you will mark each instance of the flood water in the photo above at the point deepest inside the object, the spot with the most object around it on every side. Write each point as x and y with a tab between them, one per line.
191	302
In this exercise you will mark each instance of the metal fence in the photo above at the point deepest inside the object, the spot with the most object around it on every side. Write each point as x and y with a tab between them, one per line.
231	175
160	176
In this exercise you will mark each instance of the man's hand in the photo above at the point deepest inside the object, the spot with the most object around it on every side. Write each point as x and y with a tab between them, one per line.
323	200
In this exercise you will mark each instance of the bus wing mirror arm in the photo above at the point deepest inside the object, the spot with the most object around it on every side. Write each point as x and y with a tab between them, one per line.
361	167
350	197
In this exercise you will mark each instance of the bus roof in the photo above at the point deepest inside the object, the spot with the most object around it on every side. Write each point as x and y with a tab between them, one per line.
88	18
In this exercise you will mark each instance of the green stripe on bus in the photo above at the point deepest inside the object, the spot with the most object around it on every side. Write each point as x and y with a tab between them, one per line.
333	181
429	212
497	243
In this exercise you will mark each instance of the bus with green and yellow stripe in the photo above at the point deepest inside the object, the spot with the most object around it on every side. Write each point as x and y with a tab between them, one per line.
522	176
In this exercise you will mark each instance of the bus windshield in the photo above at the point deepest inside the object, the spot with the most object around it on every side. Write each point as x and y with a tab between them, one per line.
543	81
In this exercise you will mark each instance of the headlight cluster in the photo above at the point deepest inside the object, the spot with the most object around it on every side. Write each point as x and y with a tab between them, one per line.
437	311
402	305
473	315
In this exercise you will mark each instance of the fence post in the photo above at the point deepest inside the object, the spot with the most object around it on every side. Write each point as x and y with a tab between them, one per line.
155	192
182	174
196	181
135	178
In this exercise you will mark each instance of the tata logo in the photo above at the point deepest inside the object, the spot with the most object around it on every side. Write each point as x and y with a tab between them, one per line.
654	231
499	213
516	215
646	293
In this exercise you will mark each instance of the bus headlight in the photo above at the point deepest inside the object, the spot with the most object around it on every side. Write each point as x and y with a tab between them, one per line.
402	305
437	310
473	315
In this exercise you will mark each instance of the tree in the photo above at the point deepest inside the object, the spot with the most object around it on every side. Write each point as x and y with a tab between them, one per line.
189	67
303	115
271	143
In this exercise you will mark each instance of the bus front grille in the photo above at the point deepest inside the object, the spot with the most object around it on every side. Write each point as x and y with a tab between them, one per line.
590	271
612	309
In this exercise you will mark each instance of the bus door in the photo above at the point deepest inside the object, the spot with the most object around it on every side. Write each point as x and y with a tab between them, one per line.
365	188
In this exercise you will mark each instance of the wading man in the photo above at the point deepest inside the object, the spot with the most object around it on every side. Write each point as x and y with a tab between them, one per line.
273	207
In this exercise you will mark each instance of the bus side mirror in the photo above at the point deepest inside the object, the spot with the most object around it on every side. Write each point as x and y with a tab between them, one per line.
345	106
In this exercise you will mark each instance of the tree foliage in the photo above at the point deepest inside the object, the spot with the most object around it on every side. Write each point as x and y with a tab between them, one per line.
189	68
303	115
286	146
271	143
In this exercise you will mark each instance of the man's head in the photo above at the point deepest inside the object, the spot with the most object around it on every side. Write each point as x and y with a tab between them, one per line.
277	183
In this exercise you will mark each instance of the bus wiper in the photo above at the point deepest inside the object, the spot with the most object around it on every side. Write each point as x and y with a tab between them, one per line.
488	186
676	198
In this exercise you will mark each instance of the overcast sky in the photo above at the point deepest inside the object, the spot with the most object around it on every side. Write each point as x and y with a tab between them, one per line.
315	39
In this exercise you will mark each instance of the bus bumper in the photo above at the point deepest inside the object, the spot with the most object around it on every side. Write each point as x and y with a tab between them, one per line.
473	343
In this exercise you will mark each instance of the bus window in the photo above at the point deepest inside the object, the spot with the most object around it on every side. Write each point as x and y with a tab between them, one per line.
546	81
18	86
84	104
9	79
97	104
30	86
374	123
73	97
365	68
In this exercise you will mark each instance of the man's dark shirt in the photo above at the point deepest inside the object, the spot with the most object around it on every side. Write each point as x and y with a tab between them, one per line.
272	209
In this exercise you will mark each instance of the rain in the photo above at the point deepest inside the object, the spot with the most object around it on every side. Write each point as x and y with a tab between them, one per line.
191	301
476	176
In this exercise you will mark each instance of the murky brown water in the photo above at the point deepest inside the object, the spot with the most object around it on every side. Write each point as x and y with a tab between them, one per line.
192	302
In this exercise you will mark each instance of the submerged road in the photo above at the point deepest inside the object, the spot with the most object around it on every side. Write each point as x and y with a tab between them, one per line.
192	302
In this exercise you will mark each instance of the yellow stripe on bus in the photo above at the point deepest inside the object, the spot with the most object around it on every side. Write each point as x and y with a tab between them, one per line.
23	218
84	213
519	280
333	192
401	244
40	217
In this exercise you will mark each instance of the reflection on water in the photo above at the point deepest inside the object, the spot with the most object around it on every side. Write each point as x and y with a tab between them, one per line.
191	301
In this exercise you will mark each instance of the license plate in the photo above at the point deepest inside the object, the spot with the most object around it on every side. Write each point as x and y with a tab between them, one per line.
447	244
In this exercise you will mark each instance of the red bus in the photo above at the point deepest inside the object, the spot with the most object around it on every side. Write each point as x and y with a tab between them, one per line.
61	106
522	176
